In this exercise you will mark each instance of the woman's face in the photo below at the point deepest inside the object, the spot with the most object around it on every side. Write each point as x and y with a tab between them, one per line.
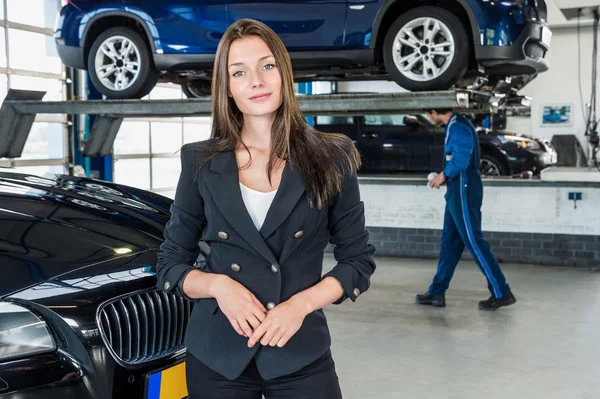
254	79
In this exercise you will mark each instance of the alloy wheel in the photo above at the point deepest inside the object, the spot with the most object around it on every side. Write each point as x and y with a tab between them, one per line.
488	168
423	49
117	63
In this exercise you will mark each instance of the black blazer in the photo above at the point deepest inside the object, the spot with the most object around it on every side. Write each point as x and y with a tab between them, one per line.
283	258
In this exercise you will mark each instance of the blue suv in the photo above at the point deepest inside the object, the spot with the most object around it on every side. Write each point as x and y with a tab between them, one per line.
129	45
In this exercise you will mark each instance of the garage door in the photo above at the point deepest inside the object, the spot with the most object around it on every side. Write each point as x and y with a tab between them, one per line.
28	60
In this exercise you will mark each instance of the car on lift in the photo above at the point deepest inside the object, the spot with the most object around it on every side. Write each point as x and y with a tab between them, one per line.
411	143
80	316
127	46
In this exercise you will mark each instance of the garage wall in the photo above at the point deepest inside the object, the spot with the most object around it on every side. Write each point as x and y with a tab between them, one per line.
528	207
560	84
529	222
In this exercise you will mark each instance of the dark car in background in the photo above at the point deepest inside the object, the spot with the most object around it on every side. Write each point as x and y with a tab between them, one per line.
80	316
129	45
410	143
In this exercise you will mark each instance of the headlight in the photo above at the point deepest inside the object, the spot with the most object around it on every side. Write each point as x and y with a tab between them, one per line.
524	142
22	333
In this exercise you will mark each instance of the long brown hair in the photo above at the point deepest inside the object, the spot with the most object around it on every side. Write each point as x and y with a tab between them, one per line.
323	159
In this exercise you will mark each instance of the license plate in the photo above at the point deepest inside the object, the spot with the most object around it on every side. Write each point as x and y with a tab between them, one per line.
167	384
546	36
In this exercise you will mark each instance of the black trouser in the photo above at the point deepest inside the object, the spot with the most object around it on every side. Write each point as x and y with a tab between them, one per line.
318	380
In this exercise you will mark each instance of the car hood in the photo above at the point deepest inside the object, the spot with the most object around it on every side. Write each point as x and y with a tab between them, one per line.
65	227
504	133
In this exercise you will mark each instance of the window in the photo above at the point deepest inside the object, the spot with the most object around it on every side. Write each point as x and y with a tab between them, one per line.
38	170
166	92
133	138
133	172
3	87
39	13
165	172
53	88
167	193
45	141
166	137
197	131
147	151
335	120
33	51
2	47
28	47
385	120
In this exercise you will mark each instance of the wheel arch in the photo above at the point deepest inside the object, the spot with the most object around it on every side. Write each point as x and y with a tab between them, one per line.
110	19
496	153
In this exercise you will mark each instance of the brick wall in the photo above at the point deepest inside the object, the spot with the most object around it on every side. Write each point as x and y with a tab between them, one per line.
513	247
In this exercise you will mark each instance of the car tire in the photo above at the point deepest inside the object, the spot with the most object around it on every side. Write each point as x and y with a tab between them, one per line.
138	74
405	64
490	165
196	88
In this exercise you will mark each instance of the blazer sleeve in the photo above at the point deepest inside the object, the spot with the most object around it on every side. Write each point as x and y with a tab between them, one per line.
352	251
183	231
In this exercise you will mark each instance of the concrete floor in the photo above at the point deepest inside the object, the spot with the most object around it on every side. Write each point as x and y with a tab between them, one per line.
545	346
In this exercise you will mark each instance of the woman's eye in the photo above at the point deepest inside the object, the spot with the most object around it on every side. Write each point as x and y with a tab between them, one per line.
269	66
238	73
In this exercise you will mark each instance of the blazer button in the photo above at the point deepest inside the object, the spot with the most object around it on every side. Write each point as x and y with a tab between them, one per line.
223	235
356	292
167	286
270	305
274	268
299	234
235	267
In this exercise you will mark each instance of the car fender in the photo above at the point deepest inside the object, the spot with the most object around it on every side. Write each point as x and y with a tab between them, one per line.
90	18
498	153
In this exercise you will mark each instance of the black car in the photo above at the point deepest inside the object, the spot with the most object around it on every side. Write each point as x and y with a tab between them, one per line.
79	313
410	143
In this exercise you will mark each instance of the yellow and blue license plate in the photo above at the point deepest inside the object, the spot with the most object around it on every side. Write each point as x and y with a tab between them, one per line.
168	383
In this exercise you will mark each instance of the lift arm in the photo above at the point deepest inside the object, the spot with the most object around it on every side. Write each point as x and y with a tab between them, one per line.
21	106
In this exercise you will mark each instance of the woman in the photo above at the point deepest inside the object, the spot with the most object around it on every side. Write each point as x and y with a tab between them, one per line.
267	193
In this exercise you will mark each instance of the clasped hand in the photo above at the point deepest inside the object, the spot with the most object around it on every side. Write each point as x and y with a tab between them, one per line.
250	318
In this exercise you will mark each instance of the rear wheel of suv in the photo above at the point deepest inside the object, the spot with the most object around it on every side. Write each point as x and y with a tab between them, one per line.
426	48
120	64
196	88
490	165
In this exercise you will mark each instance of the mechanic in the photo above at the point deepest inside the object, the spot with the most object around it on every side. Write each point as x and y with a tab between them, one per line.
462	216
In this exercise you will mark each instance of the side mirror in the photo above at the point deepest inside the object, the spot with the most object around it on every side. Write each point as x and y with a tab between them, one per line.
410	120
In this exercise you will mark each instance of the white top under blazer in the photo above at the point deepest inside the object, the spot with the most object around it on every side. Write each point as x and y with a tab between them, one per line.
257	204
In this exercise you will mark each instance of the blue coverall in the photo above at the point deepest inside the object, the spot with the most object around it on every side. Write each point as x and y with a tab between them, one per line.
462	216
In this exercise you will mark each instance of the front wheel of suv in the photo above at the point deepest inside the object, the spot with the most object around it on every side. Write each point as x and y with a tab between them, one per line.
120	64
426	48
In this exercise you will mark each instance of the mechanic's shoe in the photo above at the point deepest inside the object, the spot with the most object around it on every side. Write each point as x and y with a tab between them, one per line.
494	303
433	300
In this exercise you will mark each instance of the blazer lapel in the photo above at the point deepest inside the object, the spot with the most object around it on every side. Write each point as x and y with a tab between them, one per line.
290	190
223	184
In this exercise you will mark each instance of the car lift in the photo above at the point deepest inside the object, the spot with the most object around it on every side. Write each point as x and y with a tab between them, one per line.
20	108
